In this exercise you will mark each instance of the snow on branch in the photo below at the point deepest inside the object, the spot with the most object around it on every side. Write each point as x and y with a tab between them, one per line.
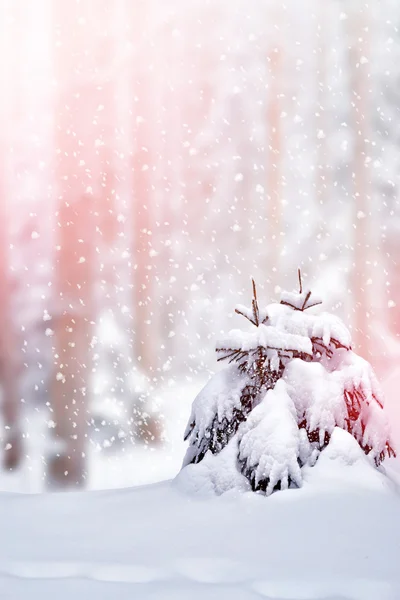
265	337
300	300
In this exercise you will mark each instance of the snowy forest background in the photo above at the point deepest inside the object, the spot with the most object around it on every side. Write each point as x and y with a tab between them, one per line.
154	155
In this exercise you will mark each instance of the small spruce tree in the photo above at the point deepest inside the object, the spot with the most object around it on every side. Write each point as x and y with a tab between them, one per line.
290	380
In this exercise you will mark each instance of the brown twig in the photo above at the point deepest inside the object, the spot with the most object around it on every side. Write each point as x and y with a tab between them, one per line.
315	304
290	304
239	312
306	300
254	303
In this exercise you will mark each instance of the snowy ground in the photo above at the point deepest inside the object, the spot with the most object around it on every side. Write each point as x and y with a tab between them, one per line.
336	538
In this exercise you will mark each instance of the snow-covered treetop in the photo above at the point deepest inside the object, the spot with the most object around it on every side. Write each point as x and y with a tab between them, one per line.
287	327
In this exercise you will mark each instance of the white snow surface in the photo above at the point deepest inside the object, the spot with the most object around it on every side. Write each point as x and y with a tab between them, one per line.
267	337
318	394
220	396
270	439
287	329
304	323
336	538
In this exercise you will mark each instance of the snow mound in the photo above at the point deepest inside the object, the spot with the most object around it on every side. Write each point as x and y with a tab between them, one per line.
335	540
342	463
214	475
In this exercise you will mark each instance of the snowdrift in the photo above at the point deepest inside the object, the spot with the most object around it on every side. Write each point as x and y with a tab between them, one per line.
338	537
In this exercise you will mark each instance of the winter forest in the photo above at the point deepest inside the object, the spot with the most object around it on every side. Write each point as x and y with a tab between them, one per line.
200	299
154	157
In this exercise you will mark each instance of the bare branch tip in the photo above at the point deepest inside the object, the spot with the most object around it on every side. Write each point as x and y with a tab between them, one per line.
305	301
254	289
300	282
239	312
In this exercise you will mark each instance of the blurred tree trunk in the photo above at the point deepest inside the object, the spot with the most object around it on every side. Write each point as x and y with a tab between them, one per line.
144	208
357	40
143	301
104	56
105	59
10	367
387	183
75	134
69	392
322	180
274	167
10	353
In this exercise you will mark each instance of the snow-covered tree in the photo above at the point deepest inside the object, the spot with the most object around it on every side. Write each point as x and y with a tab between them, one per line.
291	380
